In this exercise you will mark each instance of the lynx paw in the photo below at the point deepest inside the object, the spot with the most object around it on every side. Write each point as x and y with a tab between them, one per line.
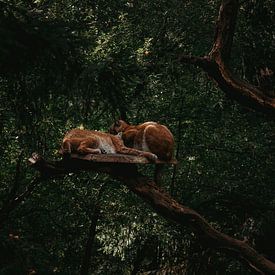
150	156
154	157
65	152
98	151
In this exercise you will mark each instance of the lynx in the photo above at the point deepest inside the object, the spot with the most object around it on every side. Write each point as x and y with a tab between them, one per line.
149	136
95	142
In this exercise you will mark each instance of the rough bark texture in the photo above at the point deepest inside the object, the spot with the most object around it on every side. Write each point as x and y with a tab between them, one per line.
214	64
162	203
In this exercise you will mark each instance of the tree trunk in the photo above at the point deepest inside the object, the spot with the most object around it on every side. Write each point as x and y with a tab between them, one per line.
89	244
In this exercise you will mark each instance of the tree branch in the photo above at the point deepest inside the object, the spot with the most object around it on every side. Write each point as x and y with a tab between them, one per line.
162	203
225	27
17	200
94	218
214	64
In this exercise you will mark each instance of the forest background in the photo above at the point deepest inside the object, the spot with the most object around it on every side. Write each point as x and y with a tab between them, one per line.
66	64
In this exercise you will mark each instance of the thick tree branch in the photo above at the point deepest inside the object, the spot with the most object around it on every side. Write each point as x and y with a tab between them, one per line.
202	62
162	203
225	27
214	64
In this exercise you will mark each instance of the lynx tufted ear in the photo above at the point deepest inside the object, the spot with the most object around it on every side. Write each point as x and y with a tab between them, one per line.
117	123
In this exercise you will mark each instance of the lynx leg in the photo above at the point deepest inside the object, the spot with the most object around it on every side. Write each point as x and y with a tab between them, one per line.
88	146
135	152
122	149
149	155
66	147
89	151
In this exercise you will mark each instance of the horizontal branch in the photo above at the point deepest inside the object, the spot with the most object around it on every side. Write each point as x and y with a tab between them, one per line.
120	158
194	60
161	202
239	90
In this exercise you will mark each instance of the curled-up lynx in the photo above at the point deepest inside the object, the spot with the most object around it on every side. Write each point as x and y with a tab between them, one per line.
149	136
95	142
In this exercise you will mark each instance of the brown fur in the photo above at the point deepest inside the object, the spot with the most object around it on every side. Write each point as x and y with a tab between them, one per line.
149	136
95	142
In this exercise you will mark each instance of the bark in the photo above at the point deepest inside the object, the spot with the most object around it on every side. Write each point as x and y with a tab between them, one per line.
89	244
120	158
215	64
225	28
87	258
163	204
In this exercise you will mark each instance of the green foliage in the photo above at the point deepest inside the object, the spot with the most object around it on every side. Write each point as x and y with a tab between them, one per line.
65	64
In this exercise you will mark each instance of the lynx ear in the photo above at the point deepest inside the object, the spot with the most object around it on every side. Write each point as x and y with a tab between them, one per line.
117	123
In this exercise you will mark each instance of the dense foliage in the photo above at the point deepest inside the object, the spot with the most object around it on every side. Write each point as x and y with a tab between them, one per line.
67	64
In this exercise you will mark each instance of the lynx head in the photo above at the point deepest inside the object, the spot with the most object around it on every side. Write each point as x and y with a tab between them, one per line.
118	126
